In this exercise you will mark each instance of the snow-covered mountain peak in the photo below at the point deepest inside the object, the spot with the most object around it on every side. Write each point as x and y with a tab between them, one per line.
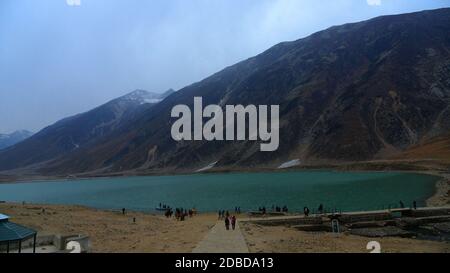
143	96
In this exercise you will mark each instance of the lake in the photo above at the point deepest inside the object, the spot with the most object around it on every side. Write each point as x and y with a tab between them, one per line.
346	191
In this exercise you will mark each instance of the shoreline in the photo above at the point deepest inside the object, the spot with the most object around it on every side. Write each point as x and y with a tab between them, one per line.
441	194
430	167
38	179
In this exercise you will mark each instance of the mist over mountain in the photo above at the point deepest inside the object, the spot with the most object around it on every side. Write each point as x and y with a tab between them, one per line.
360	91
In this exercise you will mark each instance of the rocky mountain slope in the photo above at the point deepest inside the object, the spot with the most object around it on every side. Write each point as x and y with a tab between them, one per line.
355	92
79	131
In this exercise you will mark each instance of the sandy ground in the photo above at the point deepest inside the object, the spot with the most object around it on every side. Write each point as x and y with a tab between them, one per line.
269	239
112	231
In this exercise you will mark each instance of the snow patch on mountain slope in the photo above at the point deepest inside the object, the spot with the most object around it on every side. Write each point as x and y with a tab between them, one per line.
290	164
209	167
145	97
151	101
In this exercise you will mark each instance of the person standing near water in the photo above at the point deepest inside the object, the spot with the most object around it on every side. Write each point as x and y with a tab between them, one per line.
320	210
306	211
227	223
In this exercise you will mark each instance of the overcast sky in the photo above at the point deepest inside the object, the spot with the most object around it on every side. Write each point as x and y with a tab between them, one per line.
57	59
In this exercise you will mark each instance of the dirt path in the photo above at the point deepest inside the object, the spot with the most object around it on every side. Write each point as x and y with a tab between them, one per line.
220	240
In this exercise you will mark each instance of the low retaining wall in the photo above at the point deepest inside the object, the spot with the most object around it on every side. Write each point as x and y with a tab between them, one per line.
290	221
427	212
365	217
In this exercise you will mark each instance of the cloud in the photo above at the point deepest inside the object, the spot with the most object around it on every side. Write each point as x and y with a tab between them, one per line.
374	2
73	2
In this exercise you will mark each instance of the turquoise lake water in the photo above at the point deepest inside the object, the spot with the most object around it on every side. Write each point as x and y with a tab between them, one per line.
346	191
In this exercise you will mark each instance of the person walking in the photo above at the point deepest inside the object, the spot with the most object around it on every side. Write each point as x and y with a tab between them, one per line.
233	222
227	223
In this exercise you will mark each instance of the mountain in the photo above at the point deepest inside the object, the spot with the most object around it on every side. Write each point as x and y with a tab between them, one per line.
7	140
76	132
437	148
356	92
145	97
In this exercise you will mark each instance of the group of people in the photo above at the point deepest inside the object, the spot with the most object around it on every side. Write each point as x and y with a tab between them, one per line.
284	209
229	220
402	205
320	210
164	206
168	213
280	209
223	214
180	213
